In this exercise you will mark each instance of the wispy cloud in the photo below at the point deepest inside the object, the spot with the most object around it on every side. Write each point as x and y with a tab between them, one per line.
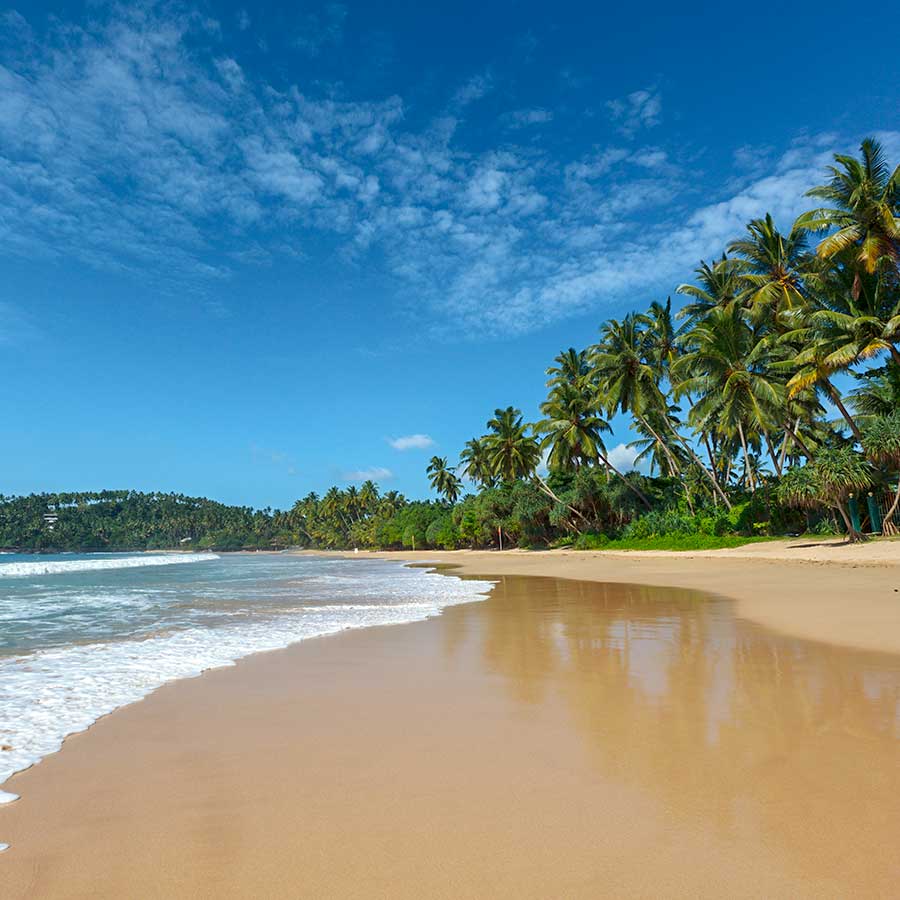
144	149
640	109
375	473
411	442
522	118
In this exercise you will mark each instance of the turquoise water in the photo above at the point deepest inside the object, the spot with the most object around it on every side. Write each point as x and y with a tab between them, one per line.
81	635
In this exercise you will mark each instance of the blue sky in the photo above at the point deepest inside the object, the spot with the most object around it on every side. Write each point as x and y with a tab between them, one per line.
246	250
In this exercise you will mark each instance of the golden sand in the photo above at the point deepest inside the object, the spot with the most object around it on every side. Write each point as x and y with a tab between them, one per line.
561	739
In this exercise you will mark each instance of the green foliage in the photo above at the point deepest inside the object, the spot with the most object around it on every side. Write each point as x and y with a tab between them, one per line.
130	520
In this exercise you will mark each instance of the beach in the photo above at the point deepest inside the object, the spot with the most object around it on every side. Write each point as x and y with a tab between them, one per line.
731	731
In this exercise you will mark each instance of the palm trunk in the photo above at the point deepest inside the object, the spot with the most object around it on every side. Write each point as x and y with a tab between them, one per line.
635	490
542	485
772	455
853	536
712	463
895	354
748	472
800	442
887	525
673	466
710	475
836	399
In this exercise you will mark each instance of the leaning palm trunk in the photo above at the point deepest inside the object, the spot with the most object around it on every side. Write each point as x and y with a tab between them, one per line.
710	475
633	488
853	535
542	485
887	526
674	468
835	397
748	471
776	462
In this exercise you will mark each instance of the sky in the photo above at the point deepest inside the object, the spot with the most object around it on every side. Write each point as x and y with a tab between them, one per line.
250	251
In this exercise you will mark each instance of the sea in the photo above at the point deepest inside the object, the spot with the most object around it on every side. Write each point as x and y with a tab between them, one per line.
81	635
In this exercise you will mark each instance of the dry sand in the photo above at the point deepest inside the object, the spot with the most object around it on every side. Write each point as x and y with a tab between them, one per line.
561	739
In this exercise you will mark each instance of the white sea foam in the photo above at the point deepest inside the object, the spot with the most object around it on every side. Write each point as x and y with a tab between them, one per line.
61	567
57	691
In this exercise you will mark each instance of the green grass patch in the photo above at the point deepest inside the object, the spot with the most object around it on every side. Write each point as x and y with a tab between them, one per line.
667	542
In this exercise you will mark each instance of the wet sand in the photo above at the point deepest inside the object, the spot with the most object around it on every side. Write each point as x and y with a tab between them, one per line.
561	739
829	591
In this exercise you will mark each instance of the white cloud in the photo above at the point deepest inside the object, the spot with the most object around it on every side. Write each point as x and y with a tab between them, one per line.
640	109
411	442
622	457
376	473
143	150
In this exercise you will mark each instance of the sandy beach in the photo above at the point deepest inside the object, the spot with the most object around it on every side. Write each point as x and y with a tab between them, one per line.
730	732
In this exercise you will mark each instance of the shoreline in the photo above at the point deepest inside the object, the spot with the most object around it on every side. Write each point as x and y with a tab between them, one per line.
463	756
831	592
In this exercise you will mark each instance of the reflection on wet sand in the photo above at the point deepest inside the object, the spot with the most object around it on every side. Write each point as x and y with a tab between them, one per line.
724	723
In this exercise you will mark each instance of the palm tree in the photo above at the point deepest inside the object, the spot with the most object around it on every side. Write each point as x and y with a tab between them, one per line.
443	478
864	195
770	266
475	463
881	442
727	369
879	394
512	452
628	380
718	285
572	368
572	433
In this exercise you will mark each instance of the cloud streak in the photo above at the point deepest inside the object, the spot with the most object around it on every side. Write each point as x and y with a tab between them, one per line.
145	149
375	473
411	442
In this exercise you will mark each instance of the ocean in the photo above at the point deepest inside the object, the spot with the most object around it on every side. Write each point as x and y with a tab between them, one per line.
81	635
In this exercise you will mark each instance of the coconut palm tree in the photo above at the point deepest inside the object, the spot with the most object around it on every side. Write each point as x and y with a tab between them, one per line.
571	367
864	196
881	442
572	430
770	267
443	478
475	463
717	285
628	381
879	393
727	370
511	450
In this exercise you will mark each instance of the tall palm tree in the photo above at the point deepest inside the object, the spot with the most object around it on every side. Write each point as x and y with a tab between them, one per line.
571	367
572	433
512	451
475	463
443	478
628	381
770	266
864	196
727	370
717	285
